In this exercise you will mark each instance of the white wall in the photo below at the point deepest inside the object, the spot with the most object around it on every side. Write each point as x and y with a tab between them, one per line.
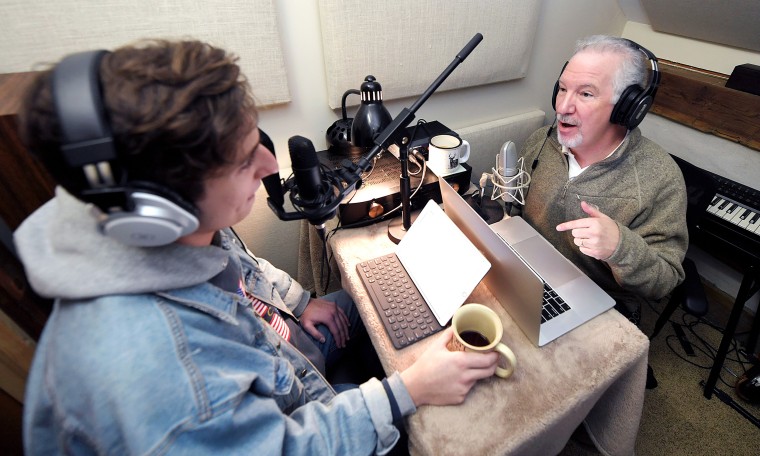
701	54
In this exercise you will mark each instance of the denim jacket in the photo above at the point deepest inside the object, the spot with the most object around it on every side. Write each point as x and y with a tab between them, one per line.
177	369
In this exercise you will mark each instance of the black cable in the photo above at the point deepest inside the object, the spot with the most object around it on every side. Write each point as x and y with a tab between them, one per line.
548	133
705	348
325	265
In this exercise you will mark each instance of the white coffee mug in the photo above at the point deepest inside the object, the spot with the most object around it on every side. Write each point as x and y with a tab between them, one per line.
446	152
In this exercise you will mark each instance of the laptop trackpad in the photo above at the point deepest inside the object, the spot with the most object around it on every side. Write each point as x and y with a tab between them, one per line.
547	261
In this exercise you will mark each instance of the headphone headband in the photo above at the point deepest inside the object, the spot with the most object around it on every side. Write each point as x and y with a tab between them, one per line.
79	106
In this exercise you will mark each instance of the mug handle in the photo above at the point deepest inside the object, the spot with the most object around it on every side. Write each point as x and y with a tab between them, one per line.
464	152
512	361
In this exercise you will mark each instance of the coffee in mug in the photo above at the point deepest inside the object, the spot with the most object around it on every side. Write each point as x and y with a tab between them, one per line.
477	328
446	152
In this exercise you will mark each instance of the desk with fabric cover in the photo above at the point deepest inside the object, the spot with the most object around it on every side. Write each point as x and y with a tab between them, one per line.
595	374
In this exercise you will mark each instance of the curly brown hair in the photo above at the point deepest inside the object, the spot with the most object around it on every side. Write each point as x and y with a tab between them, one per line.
177	111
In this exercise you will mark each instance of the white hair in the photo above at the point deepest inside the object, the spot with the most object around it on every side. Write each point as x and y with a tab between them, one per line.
632	70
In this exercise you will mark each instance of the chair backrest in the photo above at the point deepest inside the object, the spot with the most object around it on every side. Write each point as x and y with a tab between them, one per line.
700	189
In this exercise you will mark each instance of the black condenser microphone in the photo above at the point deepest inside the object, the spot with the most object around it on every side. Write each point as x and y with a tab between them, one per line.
272	182
313	192
306	169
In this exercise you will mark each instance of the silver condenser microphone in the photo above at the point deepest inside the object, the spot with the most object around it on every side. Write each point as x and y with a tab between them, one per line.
509	177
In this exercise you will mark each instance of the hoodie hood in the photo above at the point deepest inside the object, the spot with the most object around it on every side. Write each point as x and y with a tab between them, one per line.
66	256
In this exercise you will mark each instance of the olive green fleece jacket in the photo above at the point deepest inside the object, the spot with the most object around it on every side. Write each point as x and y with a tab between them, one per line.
639	186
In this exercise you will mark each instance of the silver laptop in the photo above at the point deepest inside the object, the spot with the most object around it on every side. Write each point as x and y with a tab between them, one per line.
526	271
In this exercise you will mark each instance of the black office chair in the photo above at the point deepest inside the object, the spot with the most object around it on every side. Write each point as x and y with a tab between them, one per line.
690	294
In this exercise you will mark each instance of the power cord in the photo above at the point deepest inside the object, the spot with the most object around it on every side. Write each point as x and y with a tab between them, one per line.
703	346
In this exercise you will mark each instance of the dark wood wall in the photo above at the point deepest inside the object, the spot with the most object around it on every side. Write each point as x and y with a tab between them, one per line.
24	186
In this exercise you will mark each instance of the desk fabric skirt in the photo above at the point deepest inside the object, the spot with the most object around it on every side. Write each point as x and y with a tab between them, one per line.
595	373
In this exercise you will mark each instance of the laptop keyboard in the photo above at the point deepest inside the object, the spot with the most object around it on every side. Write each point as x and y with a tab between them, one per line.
403	311
553	304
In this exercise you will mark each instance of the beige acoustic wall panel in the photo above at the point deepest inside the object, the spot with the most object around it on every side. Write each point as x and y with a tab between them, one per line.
407	44
38	32
487	138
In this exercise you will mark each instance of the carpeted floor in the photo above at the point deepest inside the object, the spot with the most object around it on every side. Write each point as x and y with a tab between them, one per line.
677	418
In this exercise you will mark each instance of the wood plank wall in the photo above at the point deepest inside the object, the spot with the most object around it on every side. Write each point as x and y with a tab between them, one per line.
699	99
24	186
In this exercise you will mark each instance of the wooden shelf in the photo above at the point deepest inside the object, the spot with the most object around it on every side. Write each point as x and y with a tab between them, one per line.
699	99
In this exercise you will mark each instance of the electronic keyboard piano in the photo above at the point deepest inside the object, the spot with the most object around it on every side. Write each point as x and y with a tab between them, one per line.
734	217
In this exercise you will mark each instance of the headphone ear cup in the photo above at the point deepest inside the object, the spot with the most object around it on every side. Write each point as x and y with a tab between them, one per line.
639	110
153	221
622	111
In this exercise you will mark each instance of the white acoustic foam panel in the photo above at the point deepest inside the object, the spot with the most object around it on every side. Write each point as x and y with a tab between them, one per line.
406	45
36	33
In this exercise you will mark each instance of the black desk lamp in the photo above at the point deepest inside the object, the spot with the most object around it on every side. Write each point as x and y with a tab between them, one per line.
372	117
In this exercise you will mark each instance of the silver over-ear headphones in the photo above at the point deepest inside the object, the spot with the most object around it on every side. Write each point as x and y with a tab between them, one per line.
135	213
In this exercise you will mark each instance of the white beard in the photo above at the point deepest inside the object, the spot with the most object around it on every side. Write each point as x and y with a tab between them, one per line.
571	142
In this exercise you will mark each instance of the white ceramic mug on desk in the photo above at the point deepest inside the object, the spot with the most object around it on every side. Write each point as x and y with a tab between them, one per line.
446	152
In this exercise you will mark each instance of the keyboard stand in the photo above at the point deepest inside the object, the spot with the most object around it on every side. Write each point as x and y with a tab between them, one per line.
749	286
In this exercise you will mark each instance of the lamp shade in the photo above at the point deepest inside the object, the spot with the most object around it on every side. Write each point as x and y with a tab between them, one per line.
372	116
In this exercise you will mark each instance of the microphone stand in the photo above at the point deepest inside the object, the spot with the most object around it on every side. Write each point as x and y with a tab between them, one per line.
396	230
392	134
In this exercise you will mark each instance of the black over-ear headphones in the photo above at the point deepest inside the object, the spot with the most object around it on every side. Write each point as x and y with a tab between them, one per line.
135	213
634	102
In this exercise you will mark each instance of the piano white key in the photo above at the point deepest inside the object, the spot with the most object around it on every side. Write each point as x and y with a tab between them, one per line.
730	211
754	224
714	208
722	208
736	216
744	223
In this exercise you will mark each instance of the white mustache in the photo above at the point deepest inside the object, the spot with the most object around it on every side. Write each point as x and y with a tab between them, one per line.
568	119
